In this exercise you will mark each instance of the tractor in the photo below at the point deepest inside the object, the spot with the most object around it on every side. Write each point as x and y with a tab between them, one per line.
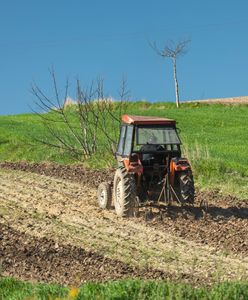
151	171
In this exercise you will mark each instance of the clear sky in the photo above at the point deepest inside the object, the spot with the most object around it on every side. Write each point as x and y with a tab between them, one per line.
109	38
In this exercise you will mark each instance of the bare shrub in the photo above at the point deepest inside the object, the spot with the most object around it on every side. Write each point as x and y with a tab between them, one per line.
83	127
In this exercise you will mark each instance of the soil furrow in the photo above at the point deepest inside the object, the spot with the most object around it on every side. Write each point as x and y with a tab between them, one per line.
42	210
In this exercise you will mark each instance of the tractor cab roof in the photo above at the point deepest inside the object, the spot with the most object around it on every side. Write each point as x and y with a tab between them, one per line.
145	120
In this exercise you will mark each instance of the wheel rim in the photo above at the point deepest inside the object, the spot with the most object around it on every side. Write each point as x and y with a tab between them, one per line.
102	197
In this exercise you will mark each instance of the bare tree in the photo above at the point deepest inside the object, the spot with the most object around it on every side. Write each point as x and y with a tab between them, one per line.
82	127
173	50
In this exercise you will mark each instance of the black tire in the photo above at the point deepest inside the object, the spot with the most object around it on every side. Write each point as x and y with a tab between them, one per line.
104	195
185	189
124	193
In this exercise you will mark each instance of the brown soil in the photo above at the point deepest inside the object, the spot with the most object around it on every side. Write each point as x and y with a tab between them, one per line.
74	173
224	226
43	259
53	231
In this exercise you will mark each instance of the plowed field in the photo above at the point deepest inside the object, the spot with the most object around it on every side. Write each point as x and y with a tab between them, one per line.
52	230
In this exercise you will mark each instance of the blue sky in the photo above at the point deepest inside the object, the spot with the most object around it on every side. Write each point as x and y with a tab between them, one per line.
109	38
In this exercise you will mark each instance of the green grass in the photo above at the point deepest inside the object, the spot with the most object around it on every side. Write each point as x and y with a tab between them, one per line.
214	139
124	289
16	142
16	289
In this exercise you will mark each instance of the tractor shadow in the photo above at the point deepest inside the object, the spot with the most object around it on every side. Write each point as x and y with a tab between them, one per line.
212	212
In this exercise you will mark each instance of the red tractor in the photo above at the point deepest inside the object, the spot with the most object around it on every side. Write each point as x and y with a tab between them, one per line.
150	169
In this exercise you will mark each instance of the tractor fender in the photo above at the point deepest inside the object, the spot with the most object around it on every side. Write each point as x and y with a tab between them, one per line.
133	165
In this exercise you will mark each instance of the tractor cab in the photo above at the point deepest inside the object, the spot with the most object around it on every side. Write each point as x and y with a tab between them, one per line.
148	140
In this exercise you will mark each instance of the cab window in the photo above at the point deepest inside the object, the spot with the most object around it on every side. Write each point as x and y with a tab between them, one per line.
121	140
128	141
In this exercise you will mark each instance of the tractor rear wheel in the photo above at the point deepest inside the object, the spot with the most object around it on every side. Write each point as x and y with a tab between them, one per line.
187	187
124	193
104	195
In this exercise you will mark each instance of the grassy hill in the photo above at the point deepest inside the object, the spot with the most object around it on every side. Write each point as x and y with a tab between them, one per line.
214	138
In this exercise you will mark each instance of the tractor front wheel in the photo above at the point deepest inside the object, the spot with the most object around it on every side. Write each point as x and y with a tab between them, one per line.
124	193
104	196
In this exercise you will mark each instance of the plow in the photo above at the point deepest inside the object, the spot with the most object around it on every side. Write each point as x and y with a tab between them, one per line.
151	171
